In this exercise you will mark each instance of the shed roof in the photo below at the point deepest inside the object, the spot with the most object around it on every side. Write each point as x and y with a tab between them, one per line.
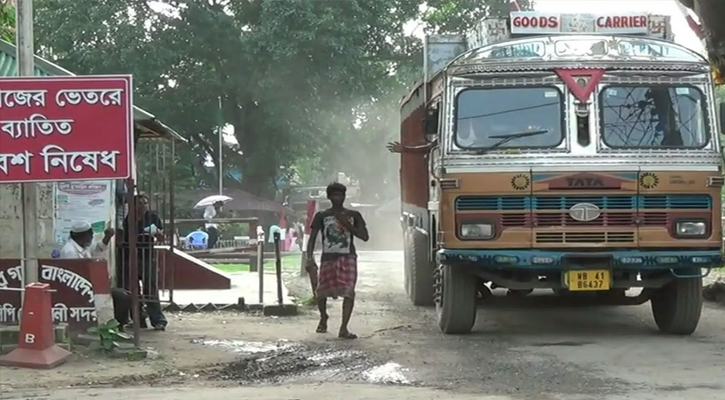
146	123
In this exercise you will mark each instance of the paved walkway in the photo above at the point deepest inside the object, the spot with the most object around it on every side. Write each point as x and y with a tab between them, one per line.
244	284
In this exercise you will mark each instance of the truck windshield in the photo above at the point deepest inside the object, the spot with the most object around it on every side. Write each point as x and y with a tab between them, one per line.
653	117
483	116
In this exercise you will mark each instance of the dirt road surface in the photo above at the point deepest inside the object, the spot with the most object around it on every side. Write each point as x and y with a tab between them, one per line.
539	349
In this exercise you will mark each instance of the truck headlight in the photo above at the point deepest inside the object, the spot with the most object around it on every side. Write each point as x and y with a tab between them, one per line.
476	231
691	228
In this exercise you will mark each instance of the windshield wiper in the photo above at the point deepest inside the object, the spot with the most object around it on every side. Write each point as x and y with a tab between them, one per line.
509	137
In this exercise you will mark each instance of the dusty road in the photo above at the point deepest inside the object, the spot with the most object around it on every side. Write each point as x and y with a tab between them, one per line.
535	350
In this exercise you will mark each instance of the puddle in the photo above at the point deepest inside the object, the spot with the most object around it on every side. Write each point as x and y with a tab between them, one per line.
391	373
241	346
280	361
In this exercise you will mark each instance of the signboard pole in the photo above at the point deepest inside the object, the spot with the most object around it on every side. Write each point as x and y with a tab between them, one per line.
29	191
221	149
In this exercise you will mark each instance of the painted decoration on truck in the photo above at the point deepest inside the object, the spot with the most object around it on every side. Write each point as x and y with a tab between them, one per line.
648	180
584	181
520	182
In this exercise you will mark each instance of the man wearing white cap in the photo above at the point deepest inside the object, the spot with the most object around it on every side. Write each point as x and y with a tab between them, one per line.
81	243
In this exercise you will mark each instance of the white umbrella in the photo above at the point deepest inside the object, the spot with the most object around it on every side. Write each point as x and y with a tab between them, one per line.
208	201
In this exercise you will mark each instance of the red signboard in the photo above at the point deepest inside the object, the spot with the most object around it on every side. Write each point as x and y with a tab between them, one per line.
73	301
65	128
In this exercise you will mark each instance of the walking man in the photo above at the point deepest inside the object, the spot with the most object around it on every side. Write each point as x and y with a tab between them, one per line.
337	273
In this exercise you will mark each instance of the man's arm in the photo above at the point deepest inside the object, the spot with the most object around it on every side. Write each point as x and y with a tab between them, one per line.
156	220
357	227
397	147
361	228
315	230
98	248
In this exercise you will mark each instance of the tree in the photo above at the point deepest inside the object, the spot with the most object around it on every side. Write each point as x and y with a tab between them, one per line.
7	22
457	16
289	72
306	85
711	14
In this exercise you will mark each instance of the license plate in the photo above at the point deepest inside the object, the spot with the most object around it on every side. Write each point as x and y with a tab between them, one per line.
589	280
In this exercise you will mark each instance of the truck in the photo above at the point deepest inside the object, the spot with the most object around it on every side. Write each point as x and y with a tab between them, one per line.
575	153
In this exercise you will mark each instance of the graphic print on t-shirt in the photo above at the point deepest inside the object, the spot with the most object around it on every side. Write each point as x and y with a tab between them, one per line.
337	239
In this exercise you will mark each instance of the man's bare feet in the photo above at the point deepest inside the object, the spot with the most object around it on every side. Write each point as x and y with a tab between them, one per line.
322	326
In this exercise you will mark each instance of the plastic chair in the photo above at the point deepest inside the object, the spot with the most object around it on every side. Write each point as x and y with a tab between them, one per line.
197	240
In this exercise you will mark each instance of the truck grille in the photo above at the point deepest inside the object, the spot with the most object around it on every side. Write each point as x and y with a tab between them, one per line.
628	202
617	210
564	219
584	237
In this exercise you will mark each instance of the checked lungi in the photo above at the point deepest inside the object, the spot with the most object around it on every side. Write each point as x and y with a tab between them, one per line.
337	277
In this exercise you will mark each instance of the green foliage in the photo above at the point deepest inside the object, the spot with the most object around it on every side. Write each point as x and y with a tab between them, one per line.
456	16
309	87
720	94
7	22
109	335
228	231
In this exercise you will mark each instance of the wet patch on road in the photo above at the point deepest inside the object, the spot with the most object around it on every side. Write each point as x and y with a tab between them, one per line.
560	344
682	388
283	361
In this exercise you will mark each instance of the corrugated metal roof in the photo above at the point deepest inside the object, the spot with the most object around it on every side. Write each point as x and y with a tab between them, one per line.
147	124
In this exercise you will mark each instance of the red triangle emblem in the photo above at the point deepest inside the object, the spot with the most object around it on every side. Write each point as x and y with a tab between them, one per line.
572	76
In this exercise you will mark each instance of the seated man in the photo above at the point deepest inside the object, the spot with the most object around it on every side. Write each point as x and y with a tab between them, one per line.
82	245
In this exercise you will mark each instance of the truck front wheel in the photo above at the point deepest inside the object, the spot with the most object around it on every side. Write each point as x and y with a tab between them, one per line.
455	300
677	306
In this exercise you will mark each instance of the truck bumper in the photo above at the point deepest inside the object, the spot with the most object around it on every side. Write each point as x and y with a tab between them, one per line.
552	260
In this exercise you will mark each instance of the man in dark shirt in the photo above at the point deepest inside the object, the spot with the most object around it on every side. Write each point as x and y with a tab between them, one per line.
149	228
338	265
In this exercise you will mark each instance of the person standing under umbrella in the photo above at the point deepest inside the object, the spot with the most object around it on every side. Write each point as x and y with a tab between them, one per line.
211	228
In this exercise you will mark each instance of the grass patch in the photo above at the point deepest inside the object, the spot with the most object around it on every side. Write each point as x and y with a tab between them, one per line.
232	267
309	301
290	264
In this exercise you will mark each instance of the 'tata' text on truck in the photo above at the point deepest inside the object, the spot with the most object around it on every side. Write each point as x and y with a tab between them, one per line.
578	153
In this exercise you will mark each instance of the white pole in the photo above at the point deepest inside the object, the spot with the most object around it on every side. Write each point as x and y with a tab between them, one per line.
221	147
25	54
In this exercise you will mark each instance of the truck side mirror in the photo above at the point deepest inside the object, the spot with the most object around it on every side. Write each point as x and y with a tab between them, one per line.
430	123
722	118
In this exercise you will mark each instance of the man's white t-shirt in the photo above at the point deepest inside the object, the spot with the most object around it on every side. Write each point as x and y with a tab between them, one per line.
72	250
209	214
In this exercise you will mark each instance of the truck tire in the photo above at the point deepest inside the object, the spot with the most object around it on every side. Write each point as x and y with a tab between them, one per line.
456	304
420	279
677	306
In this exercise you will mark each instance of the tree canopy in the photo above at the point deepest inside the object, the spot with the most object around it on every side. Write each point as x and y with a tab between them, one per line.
308	87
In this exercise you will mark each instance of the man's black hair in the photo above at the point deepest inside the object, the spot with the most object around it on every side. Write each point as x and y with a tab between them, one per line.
336	187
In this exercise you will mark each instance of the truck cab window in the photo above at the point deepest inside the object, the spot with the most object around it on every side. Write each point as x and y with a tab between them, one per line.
656	116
